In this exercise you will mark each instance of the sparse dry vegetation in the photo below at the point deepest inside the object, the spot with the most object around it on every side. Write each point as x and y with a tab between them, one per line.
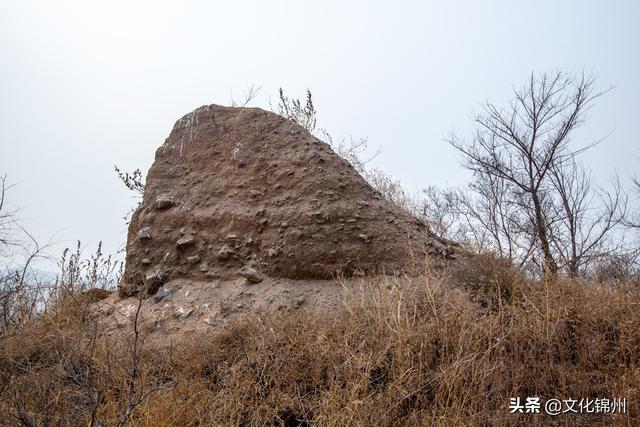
446	348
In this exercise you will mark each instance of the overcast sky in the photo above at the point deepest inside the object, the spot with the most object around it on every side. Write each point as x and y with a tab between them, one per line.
85	85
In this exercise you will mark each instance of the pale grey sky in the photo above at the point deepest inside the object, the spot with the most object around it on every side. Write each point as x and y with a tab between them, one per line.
85	85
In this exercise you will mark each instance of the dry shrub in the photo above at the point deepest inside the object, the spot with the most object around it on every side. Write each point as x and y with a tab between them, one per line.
491	281
402	351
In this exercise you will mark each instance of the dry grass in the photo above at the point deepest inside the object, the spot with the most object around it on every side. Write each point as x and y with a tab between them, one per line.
423	351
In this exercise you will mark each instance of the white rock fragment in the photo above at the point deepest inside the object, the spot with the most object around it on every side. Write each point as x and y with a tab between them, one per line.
183	313
185	242
144	233
252	275
163	202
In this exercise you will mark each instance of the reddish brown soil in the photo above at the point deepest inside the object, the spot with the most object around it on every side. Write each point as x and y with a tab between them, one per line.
243	192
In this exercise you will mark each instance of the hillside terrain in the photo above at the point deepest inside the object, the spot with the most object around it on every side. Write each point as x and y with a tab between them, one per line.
267	283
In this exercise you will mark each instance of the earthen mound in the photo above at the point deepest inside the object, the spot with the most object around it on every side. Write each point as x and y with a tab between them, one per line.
243	192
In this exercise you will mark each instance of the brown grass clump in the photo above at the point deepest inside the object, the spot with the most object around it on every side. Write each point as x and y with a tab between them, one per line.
439	349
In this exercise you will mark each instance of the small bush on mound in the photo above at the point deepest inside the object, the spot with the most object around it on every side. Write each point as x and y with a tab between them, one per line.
400	352
491	281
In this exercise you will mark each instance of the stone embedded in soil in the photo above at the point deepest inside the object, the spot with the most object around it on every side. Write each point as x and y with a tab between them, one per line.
155	278
252	275
161	295
193	259
163	202
225	253
144	233
273	252
183	313
185	242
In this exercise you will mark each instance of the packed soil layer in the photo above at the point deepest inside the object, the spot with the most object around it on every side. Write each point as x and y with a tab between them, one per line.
245	193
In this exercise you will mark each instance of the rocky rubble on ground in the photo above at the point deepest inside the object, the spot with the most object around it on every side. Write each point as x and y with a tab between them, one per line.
182	307
243	194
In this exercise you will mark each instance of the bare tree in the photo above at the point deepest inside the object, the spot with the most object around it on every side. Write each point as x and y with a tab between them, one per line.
516	154
7	218
484	218
439	207
633	220
496	215
22	295
583	218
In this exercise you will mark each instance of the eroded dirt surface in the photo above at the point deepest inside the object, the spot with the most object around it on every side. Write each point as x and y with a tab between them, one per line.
183	307
241	196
